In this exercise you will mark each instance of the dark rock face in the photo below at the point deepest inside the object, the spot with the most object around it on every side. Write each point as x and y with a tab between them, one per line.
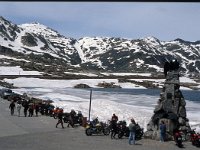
82	86
29	40
170	109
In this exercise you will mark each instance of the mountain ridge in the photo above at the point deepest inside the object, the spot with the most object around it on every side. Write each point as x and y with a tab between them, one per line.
43	46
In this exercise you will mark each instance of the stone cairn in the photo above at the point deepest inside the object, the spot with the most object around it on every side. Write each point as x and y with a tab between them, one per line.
170	108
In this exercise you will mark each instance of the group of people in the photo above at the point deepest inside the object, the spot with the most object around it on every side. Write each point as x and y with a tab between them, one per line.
132	130
29	108
71	118
44	108
114	119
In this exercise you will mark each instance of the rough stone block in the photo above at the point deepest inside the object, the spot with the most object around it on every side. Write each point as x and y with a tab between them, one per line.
181	121
182	102
182	111
167	106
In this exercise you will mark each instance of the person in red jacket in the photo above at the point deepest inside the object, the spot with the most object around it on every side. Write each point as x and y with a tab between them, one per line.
60	118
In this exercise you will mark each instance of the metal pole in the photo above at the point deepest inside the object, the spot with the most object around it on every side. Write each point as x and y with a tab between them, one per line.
90	103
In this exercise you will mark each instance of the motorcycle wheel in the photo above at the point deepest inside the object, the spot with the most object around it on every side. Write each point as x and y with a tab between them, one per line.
55	116
139	135
179	144
120	135
106	131
65	120
198	144
88	132
193	143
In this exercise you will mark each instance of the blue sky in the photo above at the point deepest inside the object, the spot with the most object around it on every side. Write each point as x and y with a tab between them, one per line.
165	20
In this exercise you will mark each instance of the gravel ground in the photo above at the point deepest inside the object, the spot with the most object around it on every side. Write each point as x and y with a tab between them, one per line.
39	133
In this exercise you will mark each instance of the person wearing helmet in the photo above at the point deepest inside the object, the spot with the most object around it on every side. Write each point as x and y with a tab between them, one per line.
60	118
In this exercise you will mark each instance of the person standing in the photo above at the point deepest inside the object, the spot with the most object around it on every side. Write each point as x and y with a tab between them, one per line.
36	109
19	106
60	118
12	108
114	118
31	109
162	131
132	128
72	118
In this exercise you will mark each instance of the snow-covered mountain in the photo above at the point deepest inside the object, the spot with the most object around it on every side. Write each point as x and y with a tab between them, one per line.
37	47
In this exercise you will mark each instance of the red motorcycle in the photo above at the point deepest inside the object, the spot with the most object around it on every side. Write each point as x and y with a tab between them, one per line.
178	138
195	138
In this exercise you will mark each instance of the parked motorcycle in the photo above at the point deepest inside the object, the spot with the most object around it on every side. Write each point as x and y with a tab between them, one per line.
55	112
195	138
124	131
178	138
96	127
72	119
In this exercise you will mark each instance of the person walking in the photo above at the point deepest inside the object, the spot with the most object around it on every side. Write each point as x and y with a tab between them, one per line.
60	118
162	131
114	129
12	108
132	128
25	105
19	106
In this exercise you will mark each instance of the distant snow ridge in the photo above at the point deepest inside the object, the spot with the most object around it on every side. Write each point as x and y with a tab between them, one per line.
38	28
112	54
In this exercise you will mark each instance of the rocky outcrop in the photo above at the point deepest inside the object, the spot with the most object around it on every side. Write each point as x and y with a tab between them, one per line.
108	85
82	86
170	109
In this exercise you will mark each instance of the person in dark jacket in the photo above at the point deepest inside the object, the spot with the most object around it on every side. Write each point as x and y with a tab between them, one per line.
37	108
60	118
26	106
31	110
72	118
12	108
114	129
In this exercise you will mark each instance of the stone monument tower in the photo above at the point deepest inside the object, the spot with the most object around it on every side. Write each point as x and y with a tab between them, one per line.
170	107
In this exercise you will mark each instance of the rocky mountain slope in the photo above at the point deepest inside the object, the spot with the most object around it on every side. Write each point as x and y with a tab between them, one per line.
34	46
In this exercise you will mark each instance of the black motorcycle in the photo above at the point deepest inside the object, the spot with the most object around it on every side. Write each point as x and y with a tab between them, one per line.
124	131
116	128
96	127
72	119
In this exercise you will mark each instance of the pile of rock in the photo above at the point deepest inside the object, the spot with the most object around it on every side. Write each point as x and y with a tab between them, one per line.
108	85
170	109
